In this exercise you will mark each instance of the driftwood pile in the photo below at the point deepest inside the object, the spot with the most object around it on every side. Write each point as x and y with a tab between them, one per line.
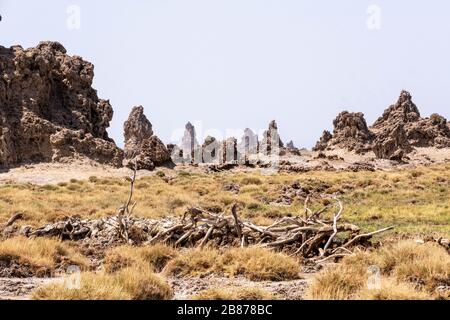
309	236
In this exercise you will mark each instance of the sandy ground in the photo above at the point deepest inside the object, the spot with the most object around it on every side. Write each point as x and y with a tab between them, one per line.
20	288
184	288
53	173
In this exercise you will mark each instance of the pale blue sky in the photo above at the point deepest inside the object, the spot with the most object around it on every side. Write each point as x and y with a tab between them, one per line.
240	63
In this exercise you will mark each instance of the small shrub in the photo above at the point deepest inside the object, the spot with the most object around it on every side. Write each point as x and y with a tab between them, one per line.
73	187
93	179
49	187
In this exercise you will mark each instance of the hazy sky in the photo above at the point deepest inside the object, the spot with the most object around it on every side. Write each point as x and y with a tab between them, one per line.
231	64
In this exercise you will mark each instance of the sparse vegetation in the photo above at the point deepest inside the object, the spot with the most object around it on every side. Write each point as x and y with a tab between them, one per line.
253	263
415	200
154	257
126	284
40	256
408	271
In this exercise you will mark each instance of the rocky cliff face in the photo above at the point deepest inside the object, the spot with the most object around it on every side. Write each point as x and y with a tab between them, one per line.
142	147
49	110
394	134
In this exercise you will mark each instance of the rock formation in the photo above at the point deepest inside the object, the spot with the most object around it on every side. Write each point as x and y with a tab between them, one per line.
401	128
137	128
249	143
49	110
189	145
210	150
290	149
228	151
322	144
403	111
271	142
350	132
394	134
141	145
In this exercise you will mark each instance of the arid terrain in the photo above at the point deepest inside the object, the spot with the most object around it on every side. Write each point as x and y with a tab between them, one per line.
365	214
414	200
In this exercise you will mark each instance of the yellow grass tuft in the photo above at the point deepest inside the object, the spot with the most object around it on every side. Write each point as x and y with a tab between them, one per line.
126	284
407	268
391	289
155	257
256	264
42	254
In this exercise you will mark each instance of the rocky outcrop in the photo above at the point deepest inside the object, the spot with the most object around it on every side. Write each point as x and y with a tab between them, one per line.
401	128
228	151
189	145
210	150
350	132
322	144
49	110
403	111
392	136
271	143
137	128
249	143
391	143
142	147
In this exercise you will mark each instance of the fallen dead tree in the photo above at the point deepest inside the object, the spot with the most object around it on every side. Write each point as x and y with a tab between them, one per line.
317	235
309	236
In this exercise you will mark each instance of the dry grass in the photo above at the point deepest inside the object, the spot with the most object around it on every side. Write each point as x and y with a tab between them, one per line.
392	290
416	200
408	271
256	264
242	293
126	284
41	254
155	257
